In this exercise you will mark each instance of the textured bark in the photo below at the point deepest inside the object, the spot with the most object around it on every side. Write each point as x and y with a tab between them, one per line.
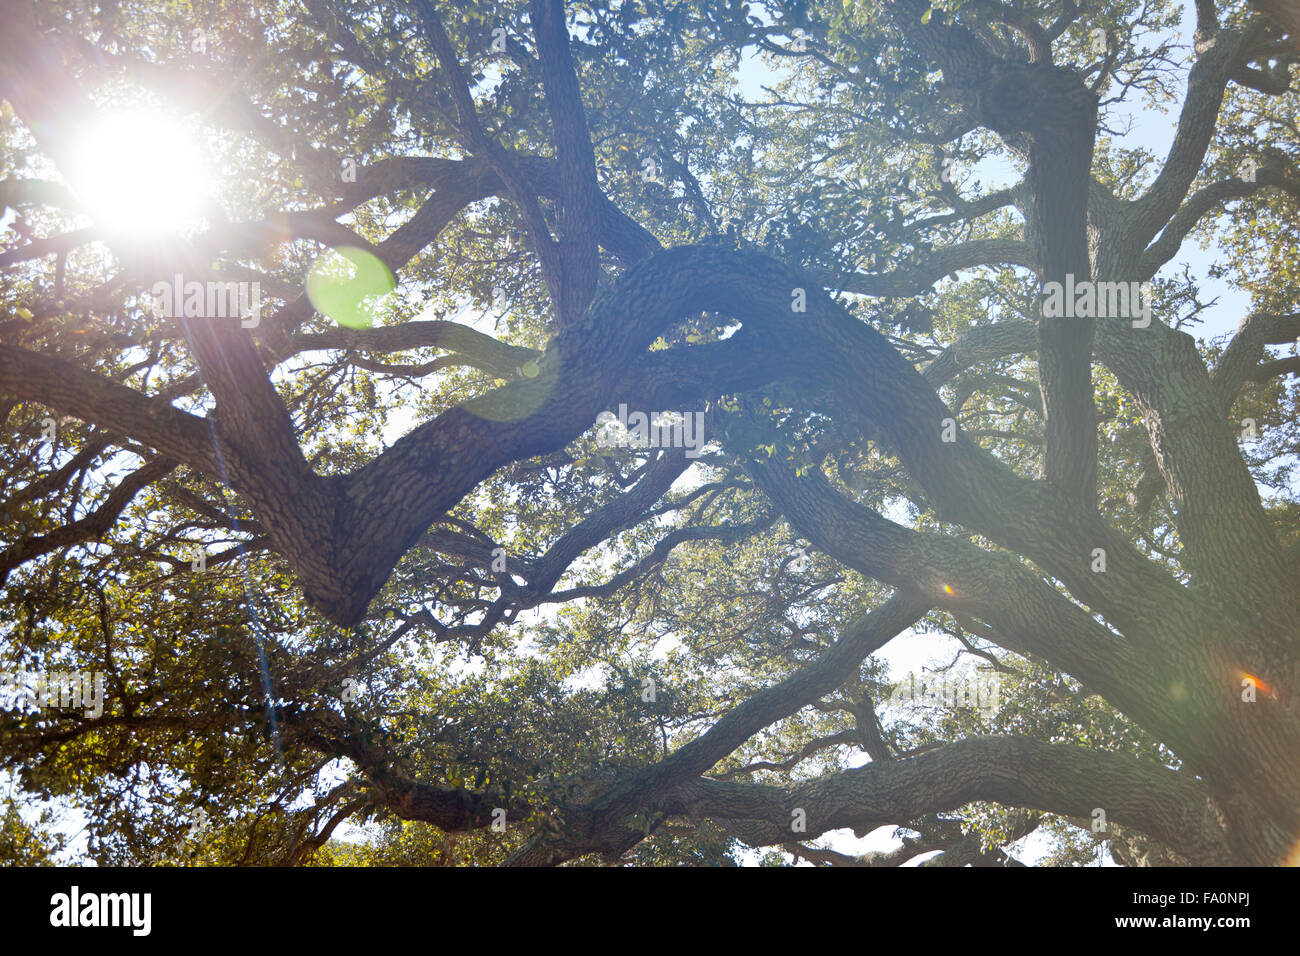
1013	771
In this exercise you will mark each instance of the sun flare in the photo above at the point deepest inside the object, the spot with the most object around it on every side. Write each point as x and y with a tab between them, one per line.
140	173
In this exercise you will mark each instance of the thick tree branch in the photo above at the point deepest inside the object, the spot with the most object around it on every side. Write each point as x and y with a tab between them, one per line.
1172	807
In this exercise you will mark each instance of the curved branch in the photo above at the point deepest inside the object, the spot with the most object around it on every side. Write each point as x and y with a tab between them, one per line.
1206	85
1172	807
93	525
72	390
1205	200
916	279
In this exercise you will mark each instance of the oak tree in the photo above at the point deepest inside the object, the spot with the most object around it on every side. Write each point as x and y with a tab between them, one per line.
303	456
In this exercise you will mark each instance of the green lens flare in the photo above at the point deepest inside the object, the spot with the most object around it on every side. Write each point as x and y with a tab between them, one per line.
347	283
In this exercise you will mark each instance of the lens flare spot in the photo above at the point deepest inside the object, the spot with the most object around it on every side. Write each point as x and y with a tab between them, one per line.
1259	684
348	284
1293	858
